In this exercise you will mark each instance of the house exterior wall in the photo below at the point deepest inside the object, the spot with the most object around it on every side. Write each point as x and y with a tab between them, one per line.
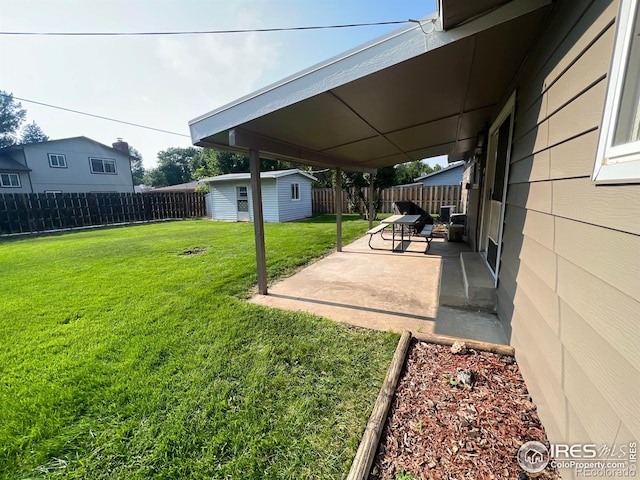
25	182
225	205
77	176
25	185
568	295
449	177
294	209
223	201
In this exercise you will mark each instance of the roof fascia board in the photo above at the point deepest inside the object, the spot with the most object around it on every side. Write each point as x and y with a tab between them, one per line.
263	175
81	137
370	58
356	51
333	73
250	141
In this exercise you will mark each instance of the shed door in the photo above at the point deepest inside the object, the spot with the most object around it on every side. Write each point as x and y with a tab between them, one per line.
243	204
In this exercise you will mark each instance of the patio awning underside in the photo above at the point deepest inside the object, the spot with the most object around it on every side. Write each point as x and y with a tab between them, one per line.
407	96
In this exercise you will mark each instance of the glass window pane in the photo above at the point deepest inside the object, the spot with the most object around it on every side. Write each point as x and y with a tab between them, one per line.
5	179
628	121
96	165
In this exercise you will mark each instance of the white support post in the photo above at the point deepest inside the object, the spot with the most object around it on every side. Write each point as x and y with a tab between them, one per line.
339	209
258	220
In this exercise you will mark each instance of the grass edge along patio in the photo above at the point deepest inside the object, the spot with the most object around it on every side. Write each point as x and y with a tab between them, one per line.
129	353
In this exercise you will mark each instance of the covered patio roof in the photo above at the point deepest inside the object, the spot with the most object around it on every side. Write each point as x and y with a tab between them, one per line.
421	91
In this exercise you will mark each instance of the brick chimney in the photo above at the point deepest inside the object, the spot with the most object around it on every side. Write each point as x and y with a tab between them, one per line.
122	146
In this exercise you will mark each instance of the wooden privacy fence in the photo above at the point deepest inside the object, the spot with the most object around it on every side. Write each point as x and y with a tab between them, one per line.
430	198
40	212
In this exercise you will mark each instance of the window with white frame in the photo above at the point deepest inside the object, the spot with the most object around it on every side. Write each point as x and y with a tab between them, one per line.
10	180
103	165
618	158
295	191
57	160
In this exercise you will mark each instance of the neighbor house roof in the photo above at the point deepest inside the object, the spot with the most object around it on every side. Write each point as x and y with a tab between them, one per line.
180	187
451	166
21	146
421	91
247	176
8	164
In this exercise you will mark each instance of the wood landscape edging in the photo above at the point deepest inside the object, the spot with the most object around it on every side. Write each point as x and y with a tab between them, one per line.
368	447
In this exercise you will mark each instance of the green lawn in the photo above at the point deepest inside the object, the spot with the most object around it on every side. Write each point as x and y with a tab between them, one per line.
122	358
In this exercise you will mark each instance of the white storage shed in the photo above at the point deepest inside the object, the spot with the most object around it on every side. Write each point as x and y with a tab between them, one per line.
286	196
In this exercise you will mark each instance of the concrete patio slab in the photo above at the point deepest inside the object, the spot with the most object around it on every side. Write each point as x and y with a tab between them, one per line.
383	290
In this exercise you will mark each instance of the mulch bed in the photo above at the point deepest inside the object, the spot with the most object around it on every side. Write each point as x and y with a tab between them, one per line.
439	428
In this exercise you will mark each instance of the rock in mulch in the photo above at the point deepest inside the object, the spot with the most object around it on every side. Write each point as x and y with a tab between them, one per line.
458	416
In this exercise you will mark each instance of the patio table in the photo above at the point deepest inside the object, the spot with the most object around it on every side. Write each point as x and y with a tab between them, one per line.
402	221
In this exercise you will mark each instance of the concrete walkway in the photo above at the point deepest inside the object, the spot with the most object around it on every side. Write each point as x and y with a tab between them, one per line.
383	290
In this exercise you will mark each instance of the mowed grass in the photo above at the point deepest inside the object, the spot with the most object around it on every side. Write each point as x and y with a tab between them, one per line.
121	358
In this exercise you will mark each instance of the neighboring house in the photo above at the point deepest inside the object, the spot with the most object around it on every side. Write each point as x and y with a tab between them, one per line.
554	205
449	175
180	187
68	165
286	196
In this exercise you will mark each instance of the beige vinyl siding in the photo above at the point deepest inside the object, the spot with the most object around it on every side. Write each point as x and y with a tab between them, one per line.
568	289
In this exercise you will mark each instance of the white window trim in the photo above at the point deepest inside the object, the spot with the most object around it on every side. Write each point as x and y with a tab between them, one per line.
619	164
296	190
10	175
115	172
64	158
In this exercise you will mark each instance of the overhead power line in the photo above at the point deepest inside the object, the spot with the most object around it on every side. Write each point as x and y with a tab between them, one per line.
204	32
96	116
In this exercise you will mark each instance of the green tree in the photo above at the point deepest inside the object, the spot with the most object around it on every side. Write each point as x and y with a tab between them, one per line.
204	164
408	172
32	133
155	178
137	169
11	117
209	163
355	184
177	164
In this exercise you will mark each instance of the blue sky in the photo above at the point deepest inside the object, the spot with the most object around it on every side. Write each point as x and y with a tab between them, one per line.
166	81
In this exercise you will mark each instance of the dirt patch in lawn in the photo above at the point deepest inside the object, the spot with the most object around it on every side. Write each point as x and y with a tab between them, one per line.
439	428
193	251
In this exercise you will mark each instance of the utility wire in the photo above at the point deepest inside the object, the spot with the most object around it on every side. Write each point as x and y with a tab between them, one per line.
202	32
95	116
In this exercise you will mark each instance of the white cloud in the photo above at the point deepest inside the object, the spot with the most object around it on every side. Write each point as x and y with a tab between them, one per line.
219	68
